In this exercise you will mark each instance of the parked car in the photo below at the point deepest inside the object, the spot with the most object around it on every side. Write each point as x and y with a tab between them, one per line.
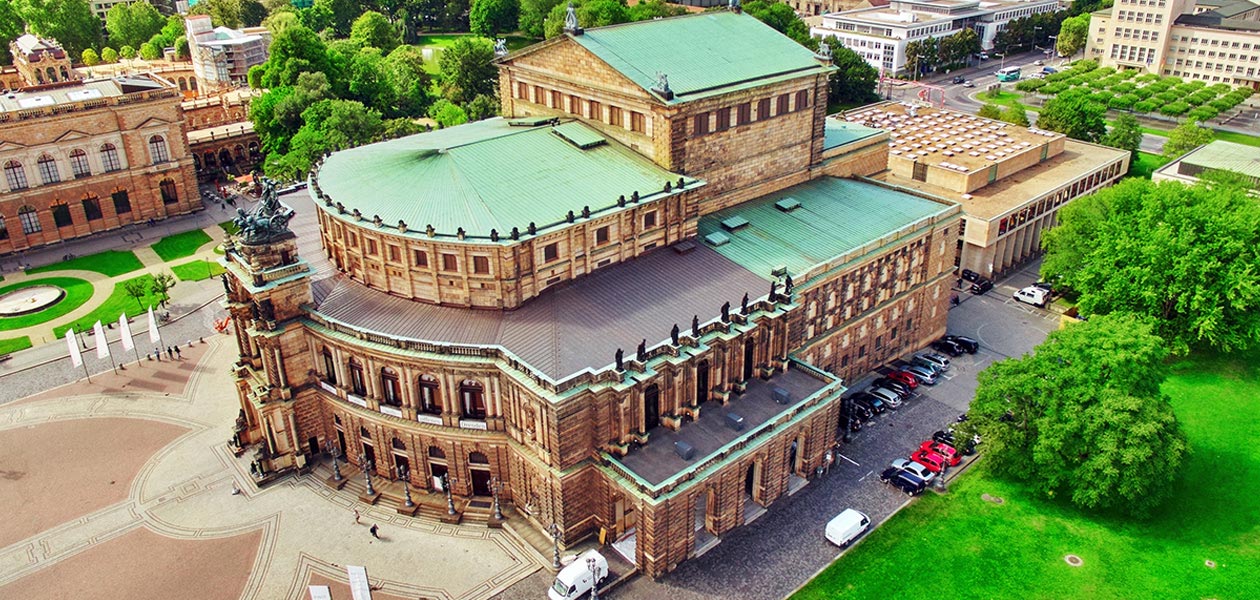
933	461
949	452
964	342
959	79
895	386
891	398
948	347
969	275
869	402
924	374
1045	285
900	396
1032	295
931	366
969	84
1039	62
910	380
914	468
861	412
1049	70
846	527
981	286
941	362
903	480
984	56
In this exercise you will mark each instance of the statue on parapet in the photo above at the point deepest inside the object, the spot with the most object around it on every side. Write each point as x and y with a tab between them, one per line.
268	221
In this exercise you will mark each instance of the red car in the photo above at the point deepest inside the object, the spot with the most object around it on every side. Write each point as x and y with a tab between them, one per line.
950	454
903	377
933	461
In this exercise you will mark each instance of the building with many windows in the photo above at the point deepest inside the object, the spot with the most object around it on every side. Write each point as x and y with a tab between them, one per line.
631	302
1207	40
222	56
83	157
880	33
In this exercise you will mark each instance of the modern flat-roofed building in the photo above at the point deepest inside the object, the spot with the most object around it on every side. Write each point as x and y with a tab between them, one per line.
1218	155
83	157
222	56
1010	180
631	301
880	33
1207	40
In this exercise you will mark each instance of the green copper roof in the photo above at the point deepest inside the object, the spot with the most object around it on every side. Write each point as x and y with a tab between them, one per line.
489	175
838	132
836	216
699	53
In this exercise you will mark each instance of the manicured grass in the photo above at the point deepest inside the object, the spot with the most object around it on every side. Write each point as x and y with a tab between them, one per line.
1228	136
110	263
1146	165
77	290
10	345
1000	98
180	245
112	307
441	41
230	227
197	270
1016	549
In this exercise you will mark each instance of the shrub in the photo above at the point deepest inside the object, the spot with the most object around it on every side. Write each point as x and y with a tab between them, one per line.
1030	85
1174	109
90	57
1144	106
1105	71
1245	91
1127	74
1170	80
1084	65
1143	93
1124	87
1054	88
1097	84
109	55
1168	97
1124	102
1060	76
1221	105
1147	77
1219	88
1203	113
1103	98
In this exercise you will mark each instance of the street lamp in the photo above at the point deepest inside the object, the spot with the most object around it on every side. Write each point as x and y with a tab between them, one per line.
404	473
496	486
554	530
1036	28
366	464
335	451
446	487
590	564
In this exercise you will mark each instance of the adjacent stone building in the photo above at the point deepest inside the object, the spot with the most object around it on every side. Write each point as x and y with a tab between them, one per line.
628	306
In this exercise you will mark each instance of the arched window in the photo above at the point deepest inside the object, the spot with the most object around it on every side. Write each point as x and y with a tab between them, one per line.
61	215
30	220
65	75
192	84
391	392
435	452
48	170
52	74
472	399
183	84
170	194
356	378
92	208
109	158
330	367
157	149
4	231
429	401
122	202
478	458
398	444
15	175
79	164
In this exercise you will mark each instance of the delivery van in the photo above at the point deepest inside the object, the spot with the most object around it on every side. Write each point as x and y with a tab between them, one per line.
846	527
575	580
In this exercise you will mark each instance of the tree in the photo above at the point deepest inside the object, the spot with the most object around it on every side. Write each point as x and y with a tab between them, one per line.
447	114
646	10
533	13
172	30
341	14
294	51
1083	416
466	71
71	22
1186	137
137	289
91	58
252	13
853	83
133	24
161	286
1072	35
373	30
990	111
1016	114
182	51
11	26
109	55
280	21
1125	134
590	13
150	52
482	107
368	80
328	125
411	83
489	18
1184	256
783	19
1074	114
225	13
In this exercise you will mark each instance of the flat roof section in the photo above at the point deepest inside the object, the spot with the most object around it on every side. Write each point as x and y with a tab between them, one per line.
1012	191
835	216
657	461
838	132
57	94
1226	156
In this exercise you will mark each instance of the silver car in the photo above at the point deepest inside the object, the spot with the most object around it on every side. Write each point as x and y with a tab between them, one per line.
891	398
915	469
924	374
941	361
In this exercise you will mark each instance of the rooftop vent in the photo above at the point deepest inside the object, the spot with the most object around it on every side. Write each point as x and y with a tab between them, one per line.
716	239
531	121
778	271
787	204
734	223
578	135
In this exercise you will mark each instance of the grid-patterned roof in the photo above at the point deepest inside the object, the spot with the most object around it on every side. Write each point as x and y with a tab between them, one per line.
1226	156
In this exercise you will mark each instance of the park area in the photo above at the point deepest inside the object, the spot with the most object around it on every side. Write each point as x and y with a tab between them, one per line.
1150	93
992	538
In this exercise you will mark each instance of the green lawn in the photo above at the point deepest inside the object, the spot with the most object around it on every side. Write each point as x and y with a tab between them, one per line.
110	263
77	290
14	344
1000	98
230	227
1016	550
180	245
197	270
1228	136
113	306
1146	165
441	41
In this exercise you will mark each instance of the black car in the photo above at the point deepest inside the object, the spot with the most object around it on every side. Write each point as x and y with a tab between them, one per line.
902	389
964	342
1045	285
947	437
902	480
970	275
869	402
948	347
861	412
855	424
981	286
959	79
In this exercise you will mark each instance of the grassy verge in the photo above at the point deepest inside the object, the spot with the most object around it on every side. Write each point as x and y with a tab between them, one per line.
112	307
180	245
77	290
11	345
1227	136
197	270
1016	549
1146	165
1001	98
440	42
110	263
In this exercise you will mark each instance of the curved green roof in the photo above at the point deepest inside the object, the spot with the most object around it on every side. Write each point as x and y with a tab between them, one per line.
489	175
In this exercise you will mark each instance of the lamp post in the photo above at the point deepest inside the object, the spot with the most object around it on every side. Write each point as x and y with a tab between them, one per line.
404	473
446	487
1054	42
590	564
496	486
366	464
335	451
554	530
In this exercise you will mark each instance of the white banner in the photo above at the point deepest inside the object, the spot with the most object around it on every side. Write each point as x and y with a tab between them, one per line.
73	345
125	328
320	592
359	588
102	346
154	336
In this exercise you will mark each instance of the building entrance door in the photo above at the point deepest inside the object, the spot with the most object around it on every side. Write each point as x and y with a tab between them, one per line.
370	453
702	382
749	352
651	408
481	482
341	443
401	464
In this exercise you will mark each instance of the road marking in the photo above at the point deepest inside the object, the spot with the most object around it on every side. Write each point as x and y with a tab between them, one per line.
850	460
868	474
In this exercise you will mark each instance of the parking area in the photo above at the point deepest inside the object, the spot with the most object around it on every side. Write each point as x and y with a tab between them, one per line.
783	549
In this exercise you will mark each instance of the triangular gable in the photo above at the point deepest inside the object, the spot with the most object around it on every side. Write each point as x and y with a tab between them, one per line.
7	145
559	51
73	134
152	122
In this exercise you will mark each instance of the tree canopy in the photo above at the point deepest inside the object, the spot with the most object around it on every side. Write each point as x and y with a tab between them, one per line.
783	19
1083	416
11	26
1072	34
489	18
1125	134
466	71
1185	256
853	84
533	13
1186	137
1074	114
373	30
294	51
70	22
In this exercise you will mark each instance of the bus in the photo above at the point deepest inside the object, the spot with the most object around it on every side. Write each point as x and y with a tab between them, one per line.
1008	74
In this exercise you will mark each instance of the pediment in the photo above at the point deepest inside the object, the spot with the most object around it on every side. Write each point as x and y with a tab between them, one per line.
7	145
153	122
73	134
566	60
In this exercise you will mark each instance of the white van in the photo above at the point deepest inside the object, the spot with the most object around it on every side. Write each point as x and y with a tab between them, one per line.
575	580
1033	295
846	527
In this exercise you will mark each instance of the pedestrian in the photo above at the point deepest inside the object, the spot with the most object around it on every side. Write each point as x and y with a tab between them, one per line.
170	353
356	516
178	354
373	531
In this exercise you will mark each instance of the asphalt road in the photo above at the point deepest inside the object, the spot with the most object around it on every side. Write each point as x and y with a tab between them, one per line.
783	549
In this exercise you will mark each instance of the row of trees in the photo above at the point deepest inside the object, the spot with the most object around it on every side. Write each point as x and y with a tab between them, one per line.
950	51
1016	113
1029	32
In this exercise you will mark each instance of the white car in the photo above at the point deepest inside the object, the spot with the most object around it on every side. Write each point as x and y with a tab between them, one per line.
915	469
1033	295
846	527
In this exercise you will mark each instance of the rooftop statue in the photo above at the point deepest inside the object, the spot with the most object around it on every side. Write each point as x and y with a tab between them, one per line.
268	221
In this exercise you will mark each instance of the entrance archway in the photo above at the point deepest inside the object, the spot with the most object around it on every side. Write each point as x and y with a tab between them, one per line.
651	407
479	470
702	382
750	351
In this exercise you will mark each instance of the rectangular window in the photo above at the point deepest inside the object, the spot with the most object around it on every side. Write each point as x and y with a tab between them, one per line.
555	99
782	108
539	98
575	105
601	235
723	119
802	100
701	125
449	262
637	122
481	264
551	252
614	116
763	109
649	220
79	164
743	114
122	203
395	255
420	258
48	171
91	208
30	221
522	90
597	111
371	247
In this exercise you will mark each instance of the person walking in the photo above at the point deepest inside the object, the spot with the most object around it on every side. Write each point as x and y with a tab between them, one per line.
356	516
178	354
373	531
